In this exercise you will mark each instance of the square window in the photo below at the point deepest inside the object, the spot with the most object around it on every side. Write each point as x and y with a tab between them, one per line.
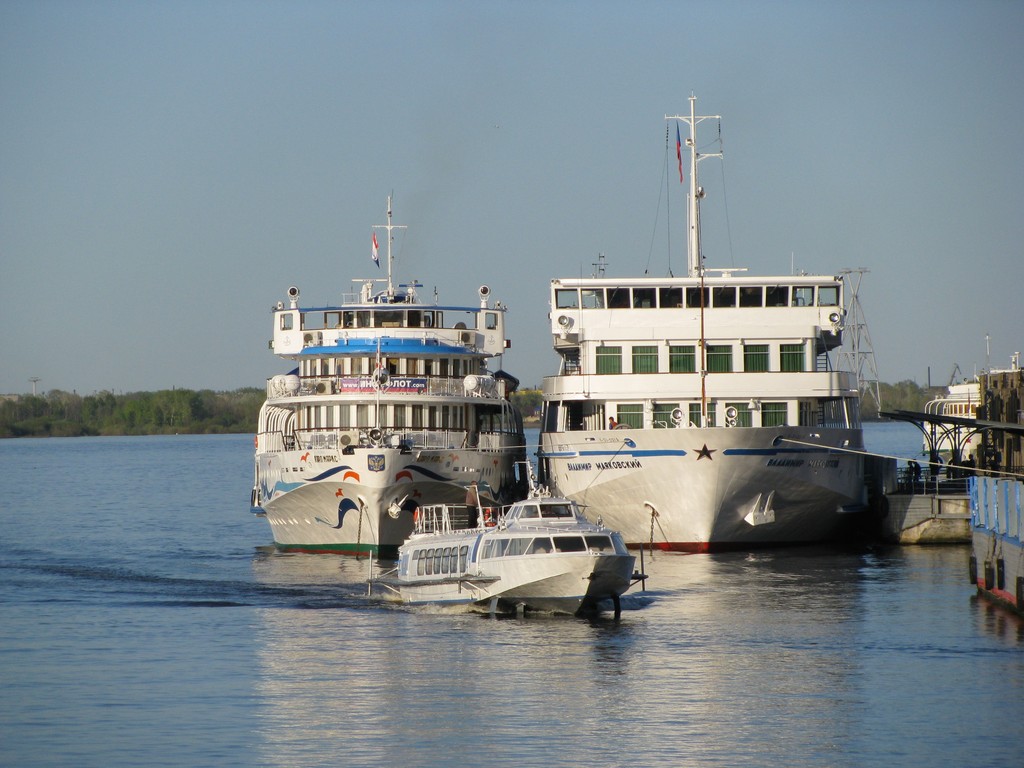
755	358
645	359
609	360
682	359
670	298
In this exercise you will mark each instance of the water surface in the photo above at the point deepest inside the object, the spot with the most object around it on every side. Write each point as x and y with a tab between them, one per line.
147	622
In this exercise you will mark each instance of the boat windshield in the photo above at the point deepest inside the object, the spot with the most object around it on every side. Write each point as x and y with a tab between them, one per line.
551	511
556	510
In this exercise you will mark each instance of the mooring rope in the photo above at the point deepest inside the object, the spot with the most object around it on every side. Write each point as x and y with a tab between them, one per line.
831	448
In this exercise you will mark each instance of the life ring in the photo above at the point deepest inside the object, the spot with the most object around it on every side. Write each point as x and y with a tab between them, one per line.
489	521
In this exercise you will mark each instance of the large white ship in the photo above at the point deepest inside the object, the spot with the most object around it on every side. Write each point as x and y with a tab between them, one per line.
703	412
391	406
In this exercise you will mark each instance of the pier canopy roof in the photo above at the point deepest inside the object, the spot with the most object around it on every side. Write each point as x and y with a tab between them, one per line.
954	429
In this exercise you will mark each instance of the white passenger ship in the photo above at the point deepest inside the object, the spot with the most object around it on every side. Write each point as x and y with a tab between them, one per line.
703	412
391	406
961	401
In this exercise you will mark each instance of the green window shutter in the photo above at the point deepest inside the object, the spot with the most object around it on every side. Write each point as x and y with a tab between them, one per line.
645	359
682	360
755	358
719	358
609	359
743	416
663	415
773	414
631	415
792	357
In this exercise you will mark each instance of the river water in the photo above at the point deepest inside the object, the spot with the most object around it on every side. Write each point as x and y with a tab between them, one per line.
145	621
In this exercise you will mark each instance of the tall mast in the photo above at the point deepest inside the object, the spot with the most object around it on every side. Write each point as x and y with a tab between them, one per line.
695	259
389	227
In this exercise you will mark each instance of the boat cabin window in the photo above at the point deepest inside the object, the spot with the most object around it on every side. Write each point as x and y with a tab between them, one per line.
682	359
388	319
719	358
570	544
665	415
618	298
609	359
693	298
287	321
529	512
556	511
670	298
494	548
776	296
724	296
517	547
803	295
567	299
828	296
491	321
791	358
645	359
599	543
539	546
751	296
357	318
593	298
773	414
755	358
630	415
643	298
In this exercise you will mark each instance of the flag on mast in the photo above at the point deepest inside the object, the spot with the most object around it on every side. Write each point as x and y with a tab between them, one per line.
679	153
373	255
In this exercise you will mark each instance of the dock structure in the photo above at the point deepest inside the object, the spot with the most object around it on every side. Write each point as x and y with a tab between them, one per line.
1003	406
997	553
931	504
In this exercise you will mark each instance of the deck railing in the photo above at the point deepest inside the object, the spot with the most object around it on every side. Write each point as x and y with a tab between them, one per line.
996	505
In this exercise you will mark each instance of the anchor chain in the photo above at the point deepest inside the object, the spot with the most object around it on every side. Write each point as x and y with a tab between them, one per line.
654	514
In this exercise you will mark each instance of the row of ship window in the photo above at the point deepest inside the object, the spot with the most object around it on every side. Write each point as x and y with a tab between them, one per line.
578	415
445	560
683	358
484	418
677	297
395	366
385	318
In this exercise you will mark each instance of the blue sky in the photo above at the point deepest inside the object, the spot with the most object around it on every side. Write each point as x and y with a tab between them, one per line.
168	169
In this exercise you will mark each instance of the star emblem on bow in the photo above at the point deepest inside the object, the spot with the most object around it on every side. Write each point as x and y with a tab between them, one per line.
705	452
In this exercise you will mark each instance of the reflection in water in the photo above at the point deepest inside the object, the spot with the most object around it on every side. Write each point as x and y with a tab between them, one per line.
790	657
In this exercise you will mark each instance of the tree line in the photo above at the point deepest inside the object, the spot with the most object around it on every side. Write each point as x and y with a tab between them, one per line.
168	411
171	411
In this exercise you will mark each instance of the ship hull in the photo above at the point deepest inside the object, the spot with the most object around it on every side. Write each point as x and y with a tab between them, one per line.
554	583
364	501
700	490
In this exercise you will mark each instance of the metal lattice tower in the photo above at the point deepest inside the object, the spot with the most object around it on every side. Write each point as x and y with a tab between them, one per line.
858	355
